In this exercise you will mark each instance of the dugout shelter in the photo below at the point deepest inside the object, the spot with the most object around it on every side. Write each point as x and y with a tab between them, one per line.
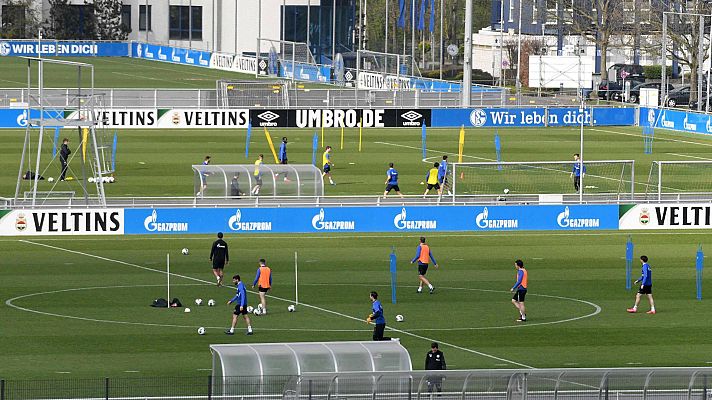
241	180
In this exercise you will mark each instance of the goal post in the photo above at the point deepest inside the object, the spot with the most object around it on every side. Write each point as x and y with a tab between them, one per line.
678	177
543	177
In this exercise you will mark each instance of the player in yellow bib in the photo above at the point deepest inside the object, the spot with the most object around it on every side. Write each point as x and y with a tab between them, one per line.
327	164
431	179
257	175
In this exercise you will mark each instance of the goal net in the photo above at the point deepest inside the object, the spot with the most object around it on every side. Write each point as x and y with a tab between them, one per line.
677	177
387	63
542	177
232	94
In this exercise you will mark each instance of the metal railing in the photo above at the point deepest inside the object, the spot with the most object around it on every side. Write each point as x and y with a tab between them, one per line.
351	201
509	384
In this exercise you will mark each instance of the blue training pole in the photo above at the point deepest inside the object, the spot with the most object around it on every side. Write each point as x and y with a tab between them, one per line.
700	264
247	140
315	144
423	139
498	150
56	141
393	275
628	262
113	152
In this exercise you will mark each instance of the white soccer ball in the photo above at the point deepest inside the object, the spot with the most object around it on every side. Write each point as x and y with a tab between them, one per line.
399	318
198	302
111	179
259	306
185	251
291	308
211	303
250	309
257	311
201	331
91	180
186	310
506	191
50	179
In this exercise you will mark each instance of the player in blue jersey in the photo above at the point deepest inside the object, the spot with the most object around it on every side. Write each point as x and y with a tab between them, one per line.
646	286
442	176
204	177
576	172
392	181
283	155
377	318
241	306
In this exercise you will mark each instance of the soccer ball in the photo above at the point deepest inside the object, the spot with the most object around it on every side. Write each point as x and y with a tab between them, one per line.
506	191
198	302
90	179
291	308
259	306
399	318
250	309
186	310
111	179
201	331
211	303
50	179
185	251
257	311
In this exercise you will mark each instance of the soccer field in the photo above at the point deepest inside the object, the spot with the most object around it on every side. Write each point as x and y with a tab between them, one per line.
158	162
83	303
117	72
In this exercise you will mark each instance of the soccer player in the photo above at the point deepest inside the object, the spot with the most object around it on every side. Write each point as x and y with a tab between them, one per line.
520	290
442	176
431	179
423	255
377	318
435	360
235	186
220	257
64	153
241	306
283	155
204	176
392	181
264	278
257	175
646	287
326	162
576	173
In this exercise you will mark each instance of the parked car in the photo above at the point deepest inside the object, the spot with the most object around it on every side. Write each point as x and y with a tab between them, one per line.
610	90
634	94
705	103
678	96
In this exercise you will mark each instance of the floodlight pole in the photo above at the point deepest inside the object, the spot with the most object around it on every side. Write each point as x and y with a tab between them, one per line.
519	56
467	64
663	55
582	112
709	48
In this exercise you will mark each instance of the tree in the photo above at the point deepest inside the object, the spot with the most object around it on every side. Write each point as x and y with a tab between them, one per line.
683	33
108	20
20	20
69	21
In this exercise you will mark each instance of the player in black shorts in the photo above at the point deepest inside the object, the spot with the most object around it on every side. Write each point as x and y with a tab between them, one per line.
520	290
392	181
220	257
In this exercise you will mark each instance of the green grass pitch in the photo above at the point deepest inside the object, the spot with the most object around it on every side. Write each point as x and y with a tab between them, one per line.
81	305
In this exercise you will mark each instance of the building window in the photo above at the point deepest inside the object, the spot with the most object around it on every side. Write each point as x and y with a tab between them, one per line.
13	21
180	25
511	10
143	18
551	12
535	12
126	17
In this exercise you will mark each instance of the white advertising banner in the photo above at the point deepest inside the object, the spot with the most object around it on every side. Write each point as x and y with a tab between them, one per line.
105	221
666	216
369	80
170	118
229	62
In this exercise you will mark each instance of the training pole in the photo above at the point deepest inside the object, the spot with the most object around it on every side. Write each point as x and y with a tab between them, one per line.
168	278
342	138
322	136
628	262
393	274
296	280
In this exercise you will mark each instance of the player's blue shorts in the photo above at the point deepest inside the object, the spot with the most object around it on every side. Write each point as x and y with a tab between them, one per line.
327	168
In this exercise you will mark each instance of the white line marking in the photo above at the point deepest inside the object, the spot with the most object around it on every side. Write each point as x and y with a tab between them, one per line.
427	339
656	137
426	149
596	307
688	156
458	259
62	372
204	369
501	365
634	363
132	372
537	258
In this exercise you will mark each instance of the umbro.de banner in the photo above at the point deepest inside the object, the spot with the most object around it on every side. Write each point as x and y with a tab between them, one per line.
341	118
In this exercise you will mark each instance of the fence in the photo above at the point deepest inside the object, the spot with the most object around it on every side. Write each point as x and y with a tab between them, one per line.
534	384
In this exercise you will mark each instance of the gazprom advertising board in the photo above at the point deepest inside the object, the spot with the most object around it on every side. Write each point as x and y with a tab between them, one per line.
370	219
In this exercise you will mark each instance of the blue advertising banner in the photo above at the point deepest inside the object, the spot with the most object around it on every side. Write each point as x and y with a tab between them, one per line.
176	55
686	121
17	117
33	48
370	219
532	117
